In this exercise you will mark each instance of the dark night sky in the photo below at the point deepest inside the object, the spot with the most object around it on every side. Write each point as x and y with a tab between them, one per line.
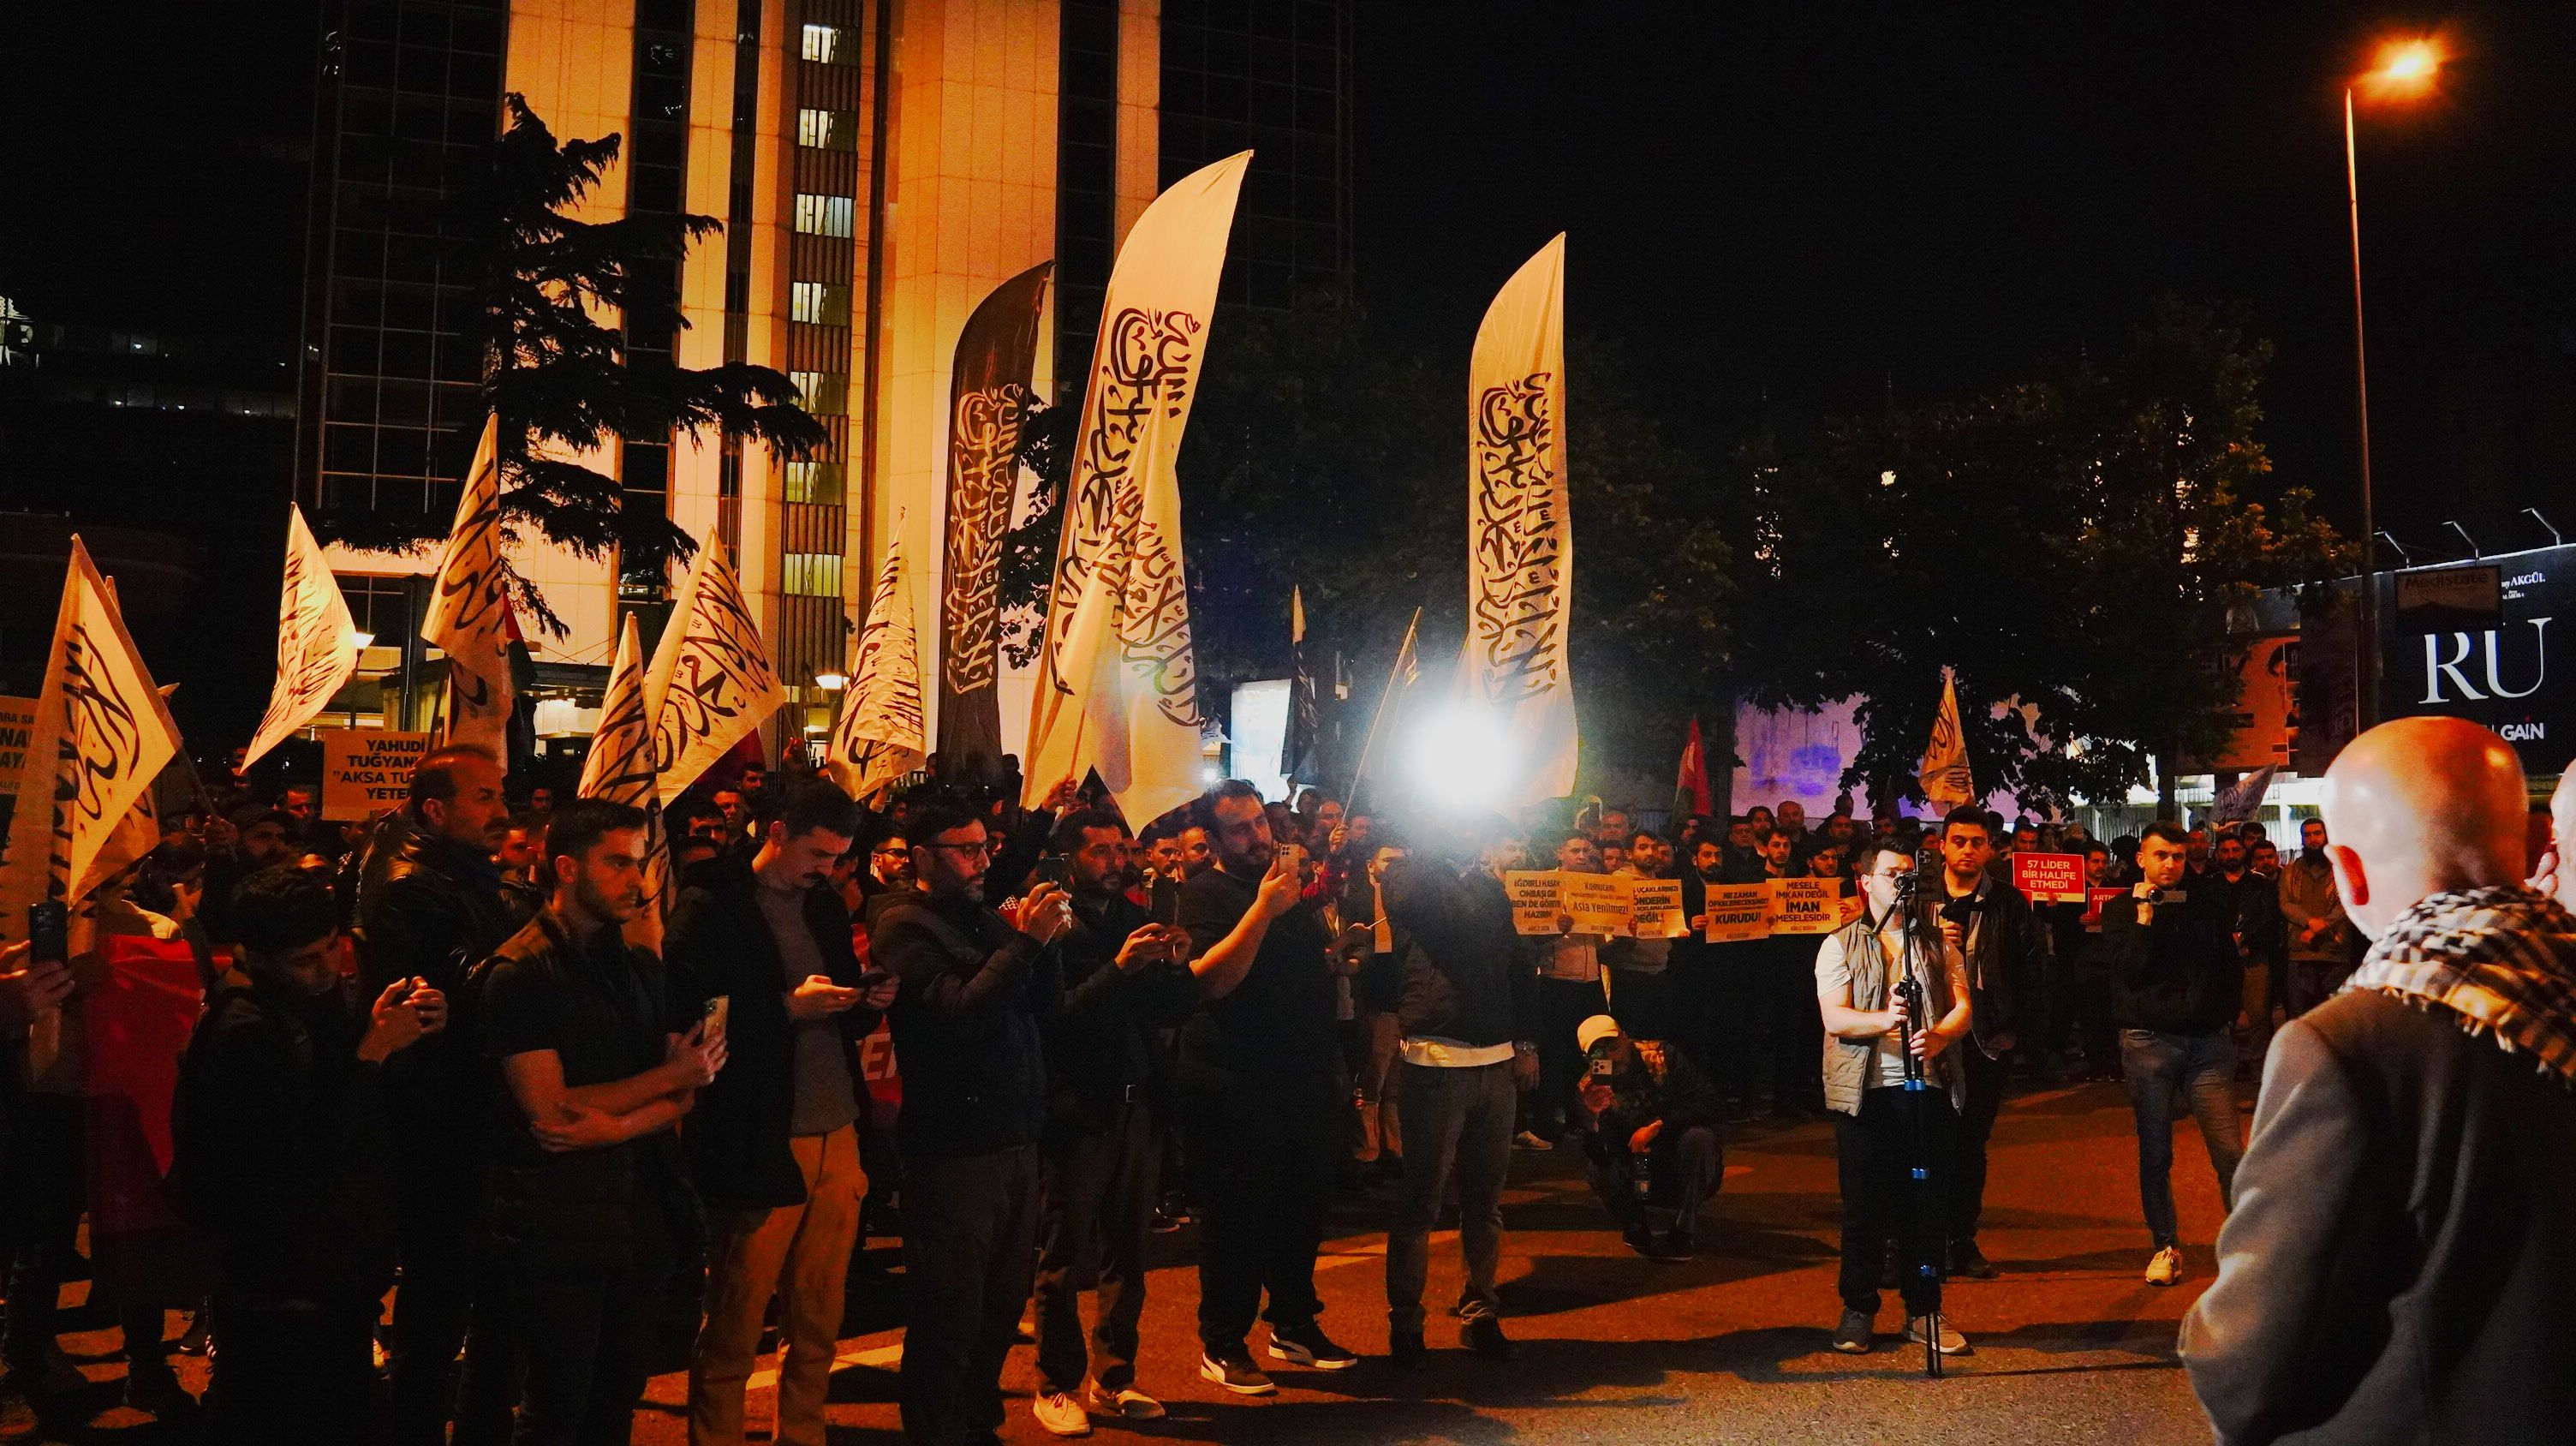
1791	207
1818	203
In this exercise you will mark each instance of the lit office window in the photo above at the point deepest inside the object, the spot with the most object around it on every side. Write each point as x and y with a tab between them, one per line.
827	130
825	394
810	574
818	302
824	215
815	482
823	44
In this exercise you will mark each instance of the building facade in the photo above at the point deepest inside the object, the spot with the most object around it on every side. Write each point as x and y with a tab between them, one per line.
879	166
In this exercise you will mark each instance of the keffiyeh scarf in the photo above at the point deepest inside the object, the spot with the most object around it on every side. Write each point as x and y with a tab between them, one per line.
2502	960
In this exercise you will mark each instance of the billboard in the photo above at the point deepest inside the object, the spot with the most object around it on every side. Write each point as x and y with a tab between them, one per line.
2515	674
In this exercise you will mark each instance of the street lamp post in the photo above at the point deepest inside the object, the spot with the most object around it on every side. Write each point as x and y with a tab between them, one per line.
2405	67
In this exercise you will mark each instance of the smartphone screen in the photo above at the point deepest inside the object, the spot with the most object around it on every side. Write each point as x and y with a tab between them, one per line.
49	933
718	1009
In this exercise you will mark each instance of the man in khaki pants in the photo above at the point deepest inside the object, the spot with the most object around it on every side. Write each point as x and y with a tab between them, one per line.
775	1151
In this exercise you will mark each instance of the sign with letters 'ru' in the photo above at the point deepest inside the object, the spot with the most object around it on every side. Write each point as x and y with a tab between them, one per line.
2516	675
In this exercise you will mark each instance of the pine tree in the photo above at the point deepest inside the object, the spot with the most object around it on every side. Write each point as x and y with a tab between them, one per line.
560	377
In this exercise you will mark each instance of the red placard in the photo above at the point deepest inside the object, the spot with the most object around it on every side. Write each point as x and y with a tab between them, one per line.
2050	878
2093	907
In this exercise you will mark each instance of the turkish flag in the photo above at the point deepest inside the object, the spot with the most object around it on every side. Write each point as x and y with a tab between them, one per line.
138	1020
1690	787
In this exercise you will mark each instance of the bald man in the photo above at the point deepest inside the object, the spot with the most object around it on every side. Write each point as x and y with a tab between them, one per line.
2401	1261
2557	876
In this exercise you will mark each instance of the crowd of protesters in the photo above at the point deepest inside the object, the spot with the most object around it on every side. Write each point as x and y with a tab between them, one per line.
446	1055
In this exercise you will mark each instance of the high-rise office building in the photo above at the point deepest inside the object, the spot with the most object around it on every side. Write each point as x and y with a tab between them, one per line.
879	165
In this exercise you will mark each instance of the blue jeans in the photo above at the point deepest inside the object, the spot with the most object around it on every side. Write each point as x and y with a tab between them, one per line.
2203	1067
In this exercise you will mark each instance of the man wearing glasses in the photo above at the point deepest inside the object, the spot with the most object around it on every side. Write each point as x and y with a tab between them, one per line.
1876	1141
975	989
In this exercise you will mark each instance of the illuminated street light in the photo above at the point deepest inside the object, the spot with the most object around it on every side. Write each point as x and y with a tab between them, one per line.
831	682
2405	68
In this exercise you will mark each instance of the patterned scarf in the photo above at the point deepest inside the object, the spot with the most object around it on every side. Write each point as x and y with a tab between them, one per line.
2501	959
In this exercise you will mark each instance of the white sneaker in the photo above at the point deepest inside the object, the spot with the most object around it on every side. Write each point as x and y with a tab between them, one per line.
1530	1140
1126	1401
1952	1343
1061	1414
2165	1267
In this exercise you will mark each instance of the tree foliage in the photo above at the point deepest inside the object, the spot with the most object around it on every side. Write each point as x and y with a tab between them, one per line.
562	380
2077	545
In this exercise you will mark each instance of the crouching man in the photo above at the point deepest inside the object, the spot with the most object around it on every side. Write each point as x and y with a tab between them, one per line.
1650	1133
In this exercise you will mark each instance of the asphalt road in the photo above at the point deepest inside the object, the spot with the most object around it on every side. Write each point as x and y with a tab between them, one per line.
2070	1344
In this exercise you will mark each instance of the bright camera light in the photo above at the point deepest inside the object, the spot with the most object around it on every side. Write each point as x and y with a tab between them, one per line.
1462	759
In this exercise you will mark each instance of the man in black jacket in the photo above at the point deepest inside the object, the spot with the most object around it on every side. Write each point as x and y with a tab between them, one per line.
283	1152
1991	924
431	904
975	990
772	1143
2402	1254
1468	1002
1098	1159
2176	983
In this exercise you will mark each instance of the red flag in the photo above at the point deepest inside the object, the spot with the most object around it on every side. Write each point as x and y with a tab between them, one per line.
1690	787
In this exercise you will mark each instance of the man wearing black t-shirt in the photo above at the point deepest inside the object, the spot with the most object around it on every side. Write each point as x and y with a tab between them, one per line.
590	1204
1261	1079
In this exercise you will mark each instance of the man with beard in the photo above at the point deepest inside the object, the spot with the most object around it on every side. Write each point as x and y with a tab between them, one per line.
2005	945
1099	1155
976	988
282	1150
1262	1080
774	1148
2318	934
436	906
1198	853
591	1206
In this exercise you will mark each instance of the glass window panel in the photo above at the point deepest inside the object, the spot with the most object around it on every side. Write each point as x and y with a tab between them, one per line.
819	303
810	574
824	215
825	45
828	130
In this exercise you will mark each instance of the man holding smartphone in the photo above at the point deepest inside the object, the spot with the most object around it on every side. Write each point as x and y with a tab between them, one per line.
1261	1077
976	988
763	945
1099	1157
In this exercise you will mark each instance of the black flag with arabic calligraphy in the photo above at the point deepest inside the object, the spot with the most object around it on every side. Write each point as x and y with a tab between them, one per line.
988	397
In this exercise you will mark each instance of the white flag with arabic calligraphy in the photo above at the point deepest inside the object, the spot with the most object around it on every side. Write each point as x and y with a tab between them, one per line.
317	643
102	734
711	683
469	609
1117	686
1943	774
1520	533
620	769
881	736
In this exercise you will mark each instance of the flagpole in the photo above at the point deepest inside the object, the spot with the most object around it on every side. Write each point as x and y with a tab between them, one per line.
1368	746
